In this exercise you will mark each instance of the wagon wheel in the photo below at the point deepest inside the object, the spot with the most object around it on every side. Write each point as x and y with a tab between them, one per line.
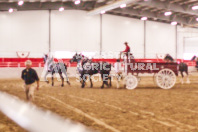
131	81
166	78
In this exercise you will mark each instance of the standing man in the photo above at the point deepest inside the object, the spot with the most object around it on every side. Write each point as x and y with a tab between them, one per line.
29	76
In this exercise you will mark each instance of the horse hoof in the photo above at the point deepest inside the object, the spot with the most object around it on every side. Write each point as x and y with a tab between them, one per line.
68	83
102	87
118	86
62	85
52	84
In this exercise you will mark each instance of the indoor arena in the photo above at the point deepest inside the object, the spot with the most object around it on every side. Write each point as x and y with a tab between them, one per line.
98	65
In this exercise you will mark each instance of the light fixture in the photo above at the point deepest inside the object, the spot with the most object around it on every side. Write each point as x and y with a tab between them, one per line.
196	19
194	7
11	10
77	2
123	6
173	23
20	3
144	18
168	13
102	12
61	9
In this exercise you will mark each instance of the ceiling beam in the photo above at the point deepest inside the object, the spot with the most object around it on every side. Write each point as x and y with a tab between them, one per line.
109	6
154	16
165	5
42	6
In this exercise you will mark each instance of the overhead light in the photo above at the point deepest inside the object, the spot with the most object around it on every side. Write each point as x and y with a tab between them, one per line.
194	7
123	6
20	3
102	12
173	23
61	9
168	13
144	18
11	10
196	19
77	2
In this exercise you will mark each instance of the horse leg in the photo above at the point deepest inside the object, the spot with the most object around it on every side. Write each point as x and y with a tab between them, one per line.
118	80
102	81
84	78
188	80
90	81
62	79
105	80
109	80
45	77
52	78
67	79
182	75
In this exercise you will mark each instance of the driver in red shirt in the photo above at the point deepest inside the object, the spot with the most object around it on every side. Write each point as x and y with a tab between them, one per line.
126	51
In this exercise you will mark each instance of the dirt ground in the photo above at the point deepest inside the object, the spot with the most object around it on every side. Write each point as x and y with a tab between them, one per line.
145	109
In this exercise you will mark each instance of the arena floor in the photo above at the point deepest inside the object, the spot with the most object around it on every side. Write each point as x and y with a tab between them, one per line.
145	109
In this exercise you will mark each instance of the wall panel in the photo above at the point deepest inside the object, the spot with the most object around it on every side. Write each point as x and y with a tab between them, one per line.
73	30
24	31
160	39
116	30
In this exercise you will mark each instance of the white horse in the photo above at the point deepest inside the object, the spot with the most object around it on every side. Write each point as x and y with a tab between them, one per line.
51	67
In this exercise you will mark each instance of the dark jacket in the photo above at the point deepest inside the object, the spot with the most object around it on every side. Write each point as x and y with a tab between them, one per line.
29	76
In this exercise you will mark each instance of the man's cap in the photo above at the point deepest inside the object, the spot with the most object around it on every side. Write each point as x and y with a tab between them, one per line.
125	42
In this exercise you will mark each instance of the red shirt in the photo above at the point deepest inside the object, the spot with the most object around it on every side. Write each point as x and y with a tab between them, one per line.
127	49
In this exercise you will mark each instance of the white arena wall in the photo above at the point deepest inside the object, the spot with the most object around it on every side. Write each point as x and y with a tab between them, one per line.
160	38
24	31
74	30
185	34
116	30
